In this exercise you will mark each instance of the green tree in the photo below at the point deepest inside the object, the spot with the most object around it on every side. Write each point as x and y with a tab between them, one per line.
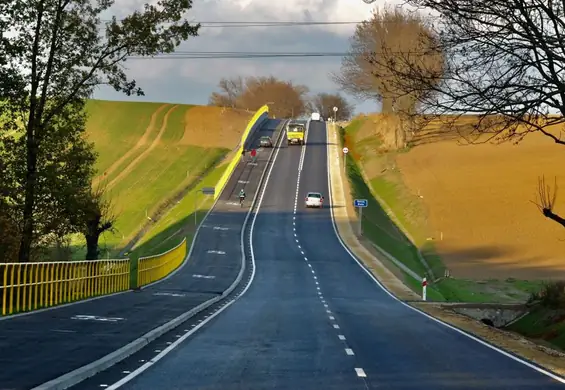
57	53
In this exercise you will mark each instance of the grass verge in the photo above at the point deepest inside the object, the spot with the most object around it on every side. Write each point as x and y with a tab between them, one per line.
383	230
178	223
545	323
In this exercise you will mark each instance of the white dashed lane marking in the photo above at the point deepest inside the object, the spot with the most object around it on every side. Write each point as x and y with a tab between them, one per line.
360	373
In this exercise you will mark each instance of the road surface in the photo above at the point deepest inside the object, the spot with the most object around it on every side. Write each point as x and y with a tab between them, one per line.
312	318
41	346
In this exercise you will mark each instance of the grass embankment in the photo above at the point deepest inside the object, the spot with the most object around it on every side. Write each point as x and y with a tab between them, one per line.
546	322
154	158
373	174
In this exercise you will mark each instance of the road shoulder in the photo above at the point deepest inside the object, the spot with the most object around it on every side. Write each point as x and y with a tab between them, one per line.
346	220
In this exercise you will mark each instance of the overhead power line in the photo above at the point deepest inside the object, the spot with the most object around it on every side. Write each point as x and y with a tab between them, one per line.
227	24
183	55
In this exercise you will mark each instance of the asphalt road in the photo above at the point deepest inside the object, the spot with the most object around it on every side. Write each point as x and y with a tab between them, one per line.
42	346
312	318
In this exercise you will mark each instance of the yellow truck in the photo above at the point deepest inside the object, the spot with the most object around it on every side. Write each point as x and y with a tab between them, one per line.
295	133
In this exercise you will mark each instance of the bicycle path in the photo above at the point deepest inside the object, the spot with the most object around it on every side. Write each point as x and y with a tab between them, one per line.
42	346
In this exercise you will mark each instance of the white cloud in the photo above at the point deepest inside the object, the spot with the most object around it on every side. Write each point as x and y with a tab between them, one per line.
173	78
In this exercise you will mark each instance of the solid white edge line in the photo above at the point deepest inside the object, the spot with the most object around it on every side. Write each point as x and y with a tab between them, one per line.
460	331
167	350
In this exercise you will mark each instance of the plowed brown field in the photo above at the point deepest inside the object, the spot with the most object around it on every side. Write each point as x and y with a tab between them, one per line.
479	198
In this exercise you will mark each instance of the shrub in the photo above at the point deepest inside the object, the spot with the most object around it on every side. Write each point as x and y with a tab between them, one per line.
551	295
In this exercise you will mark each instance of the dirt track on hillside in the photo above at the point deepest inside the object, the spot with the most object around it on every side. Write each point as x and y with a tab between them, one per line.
141	142
146	152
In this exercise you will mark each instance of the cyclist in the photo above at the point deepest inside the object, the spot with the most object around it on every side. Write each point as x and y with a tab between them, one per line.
253	155
241	196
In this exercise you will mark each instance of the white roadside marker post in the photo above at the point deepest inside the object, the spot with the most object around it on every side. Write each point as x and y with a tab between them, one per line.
424	288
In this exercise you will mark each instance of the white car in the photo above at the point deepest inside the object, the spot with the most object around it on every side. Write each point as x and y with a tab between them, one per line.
316	116
314	199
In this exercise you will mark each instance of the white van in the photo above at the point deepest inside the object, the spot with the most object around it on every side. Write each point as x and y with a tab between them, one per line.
316	116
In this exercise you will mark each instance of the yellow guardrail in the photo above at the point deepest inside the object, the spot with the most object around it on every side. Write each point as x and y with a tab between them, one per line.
229	170
32	286
152	268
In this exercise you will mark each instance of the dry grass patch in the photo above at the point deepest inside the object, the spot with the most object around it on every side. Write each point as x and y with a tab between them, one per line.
478	197
207	126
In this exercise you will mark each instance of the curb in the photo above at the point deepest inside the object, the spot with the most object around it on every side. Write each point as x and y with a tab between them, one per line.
80	374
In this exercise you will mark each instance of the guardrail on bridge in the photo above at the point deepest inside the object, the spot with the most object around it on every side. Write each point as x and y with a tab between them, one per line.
31	286
153	268
257	118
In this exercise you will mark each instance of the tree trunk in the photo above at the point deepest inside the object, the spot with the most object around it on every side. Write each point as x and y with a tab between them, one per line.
92	246
387	106
29	200
31	146
92	236
400	136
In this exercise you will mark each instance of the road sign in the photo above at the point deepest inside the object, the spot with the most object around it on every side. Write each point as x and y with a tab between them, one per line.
335	109
360	203
208	190
345	150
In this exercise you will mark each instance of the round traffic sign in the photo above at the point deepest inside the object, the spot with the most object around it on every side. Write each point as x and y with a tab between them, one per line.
335	109
345	150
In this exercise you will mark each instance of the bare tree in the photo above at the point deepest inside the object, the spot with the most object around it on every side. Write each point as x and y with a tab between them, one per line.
288	99
365	71
230	92
505	65
546	197
325	102
96	217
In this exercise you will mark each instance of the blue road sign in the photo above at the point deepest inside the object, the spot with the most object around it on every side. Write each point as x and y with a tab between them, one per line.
361	203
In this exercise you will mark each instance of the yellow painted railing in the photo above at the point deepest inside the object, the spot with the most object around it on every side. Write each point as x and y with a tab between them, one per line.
32	286
153	268
231	167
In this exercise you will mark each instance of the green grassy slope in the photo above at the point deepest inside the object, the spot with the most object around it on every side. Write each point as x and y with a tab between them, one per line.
115	127
140	187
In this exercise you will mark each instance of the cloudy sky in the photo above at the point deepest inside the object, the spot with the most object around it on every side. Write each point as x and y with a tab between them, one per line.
192	80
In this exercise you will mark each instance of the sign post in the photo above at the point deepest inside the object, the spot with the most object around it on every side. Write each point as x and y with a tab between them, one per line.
424	288
360	204
335	114
345	151
205	191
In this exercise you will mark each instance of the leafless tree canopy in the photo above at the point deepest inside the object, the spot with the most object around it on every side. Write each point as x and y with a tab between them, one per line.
368	71
287	99
325	102
505	64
